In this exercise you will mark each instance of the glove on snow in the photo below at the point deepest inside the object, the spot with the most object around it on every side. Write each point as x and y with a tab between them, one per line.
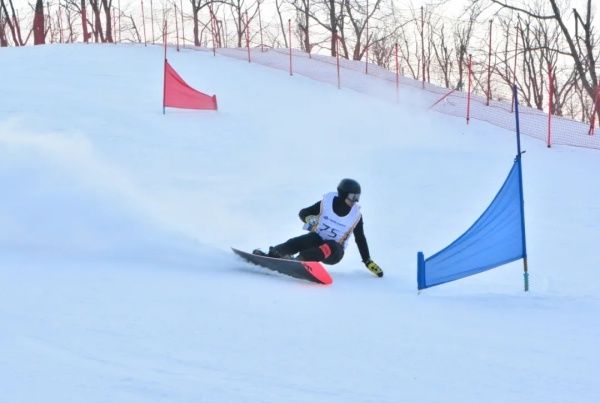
374	268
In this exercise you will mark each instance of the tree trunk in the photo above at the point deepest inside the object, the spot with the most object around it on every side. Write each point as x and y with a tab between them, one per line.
107	13
39	37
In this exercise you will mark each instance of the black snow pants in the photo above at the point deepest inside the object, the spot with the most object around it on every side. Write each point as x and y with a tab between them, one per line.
311	247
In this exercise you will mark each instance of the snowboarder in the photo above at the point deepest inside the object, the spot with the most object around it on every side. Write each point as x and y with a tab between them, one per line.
330	223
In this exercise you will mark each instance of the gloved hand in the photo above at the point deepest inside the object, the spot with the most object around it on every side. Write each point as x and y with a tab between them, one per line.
311	222
374	268
311	219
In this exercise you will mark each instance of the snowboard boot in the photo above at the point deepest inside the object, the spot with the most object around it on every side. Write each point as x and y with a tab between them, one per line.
259	252
276	253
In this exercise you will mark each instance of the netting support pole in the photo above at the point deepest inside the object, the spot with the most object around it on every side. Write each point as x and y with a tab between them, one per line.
595	109
248	35
469	67
367	44
143	23
260	28
152	20
182	25
213	29
397	76
290	43
423	45
176	27
337	54
489	77
550	95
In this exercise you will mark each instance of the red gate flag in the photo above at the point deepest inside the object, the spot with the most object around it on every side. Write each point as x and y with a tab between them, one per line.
178	94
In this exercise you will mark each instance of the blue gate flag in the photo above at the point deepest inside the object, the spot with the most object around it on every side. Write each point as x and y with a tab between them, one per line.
496	238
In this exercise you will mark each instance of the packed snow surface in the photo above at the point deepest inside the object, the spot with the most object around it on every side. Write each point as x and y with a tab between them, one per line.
118	284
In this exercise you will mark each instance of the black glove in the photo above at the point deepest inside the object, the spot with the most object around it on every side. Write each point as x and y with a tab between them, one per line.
374	268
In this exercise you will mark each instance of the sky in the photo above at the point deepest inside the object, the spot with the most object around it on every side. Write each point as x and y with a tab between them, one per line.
118	282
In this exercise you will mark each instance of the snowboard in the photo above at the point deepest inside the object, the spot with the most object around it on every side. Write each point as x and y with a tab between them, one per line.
311	271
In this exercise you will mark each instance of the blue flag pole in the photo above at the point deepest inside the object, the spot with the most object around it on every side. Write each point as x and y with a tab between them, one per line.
525	272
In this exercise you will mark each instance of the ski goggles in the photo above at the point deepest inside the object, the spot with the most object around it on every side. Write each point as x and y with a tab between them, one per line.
353	197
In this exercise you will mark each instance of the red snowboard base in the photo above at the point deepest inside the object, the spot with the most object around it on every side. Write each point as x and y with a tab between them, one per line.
311	271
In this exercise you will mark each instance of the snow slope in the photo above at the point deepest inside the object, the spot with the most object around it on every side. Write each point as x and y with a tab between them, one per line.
117	279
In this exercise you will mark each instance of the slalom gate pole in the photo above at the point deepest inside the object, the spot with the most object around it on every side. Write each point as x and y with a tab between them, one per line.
525	271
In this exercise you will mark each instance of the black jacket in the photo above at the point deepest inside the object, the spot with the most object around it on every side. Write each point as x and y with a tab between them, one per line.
341	208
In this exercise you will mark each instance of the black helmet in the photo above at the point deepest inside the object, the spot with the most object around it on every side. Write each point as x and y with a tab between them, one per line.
348	186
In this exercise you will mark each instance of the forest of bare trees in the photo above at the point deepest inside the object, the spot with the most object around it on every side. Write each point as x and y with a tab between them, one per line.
510	41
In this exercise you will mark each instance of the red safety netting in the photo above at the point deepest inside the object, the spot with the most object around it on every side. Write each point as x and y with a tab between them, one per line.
383	83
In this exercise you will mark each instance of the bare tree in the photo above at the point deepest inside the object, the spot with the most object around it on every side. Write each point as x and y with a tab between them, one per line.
302	8
242	17
107	5
463	34
97	26
359	15
12	21
3	40
329	15
197	6
582	44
